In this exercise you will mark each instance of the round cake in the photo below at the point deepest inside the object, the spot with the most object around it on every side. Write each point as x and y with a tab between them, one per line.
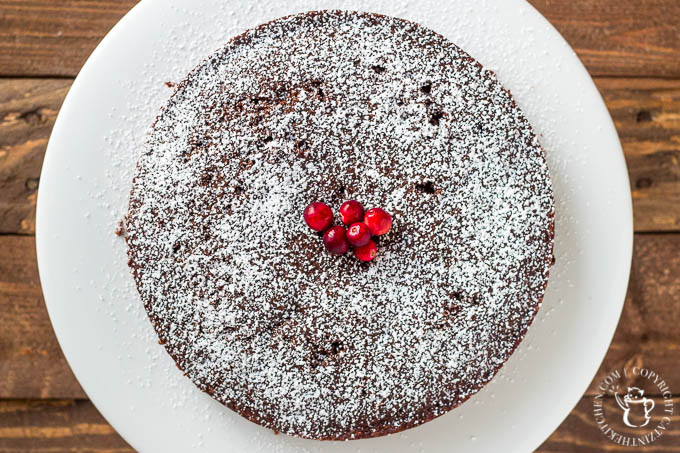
331	106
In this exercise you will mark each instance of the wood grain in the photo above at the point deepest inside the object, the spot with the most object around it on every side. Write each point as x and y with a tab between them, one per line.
612	37
646	336
647	116
646	113
47	38
28	109
580	433
31	363
48	426
32	366
44	426
619	37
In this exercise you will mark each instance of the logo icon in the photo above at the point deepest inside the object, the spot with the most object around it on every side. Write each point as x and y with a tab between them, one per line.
635	400
633	406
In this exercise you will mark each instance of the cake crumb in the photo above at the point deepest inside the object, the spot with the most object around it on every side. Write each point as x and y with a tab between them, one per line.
120	230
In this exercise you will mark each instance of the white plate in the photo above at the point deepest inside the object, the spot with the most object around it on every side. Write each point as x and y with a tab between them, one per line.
98	316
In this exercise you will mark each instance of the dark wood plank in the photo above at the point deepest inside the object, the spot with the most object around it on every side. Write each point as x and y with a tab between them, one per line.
620	37
31	363
647	116
32	366
647	335
580	433
612	37
28	109
56	426
646	113
46	38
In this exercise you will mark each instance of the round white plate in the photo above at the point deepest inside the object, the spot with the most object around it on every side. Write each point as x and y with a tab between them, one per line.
99	318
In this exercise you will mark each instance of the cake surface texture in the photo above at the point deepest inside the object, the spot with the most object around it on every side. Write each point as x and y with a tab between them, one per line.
330	106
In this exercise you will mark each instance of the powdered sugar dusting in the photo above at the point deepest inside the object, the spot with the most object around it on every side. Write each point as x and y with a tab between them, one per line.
329	107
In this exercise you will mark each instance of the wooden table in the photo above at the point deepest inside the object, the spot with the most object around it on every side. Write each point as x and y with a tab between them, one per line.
631	48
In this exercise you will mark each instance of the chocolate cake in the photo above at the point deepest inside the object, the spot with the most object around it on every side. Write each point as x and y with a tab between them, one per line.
331	106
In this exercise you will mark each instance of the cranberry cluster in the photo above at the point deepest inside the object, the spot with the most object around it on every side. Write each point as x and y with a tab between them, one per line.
362	226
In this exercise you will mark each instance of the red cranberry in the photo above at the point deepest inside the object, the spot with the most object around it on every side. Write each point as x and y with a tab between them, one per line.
366	252
335	240
351	212
318	216
358	234
378	221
